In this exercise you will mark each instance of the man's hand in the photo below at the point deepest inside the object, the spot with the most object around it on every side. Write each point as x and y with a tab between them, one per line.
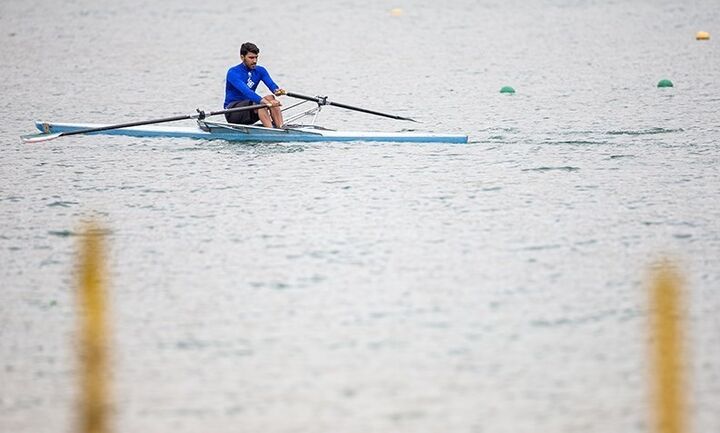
280	92
271	102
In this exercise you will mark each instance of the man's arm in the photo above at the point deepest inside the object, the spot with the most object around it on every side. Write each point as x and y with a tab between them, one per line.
265	77
238	80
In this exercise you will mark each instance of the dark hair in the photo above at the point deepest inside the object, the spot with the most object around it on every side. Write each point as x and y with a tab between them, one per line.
249	47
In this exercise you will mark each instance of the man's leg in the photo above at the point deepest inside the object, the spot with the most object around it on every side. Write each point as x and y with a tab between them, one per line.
275	113
264	116
277	117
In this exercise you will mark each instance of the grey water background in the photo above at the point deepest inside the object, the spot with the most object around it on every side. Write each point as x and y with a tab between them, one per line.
498	286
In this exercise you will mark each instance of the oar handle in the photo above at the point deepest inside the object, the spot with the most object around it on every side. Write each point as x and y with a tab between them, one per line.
323	100
229	110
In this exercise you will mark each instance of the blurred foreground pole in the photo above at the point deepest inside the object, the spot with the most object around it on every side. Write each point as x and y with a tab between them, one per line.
94	402
667	360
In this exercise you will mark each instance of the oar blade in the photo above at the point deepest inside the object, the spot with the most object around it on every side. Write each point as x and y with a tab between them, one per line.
409	119
38	138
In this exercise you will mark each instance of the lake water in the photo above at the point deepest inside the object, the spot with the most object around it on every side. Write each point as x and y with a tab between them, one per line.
498	286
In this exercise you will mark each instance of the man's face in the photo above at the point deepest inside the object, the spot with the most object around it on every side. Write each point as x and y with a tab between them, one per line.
250	60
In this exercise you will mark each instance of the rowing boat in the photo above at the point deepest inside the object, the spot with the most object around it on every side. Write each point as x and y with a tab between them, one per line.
206	130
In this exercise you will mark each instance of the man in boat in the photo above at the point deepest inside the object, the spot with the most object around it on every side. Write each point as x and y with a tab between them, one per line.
240	85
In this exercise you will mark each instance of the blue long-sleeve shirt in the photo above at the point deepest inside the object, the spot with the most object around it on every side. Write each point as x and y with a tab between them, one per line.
241	82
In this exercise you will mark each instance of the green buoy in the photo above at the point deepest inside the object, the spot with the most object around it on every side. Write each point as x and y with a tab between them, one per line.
665	83
507	89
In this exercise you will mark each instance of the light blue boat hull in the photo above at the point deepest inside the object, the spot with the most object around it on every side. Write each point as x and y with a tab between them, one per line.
221	131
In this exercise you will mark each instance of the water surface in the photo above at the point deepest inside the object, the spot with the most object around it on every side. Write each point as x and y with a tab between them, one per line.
497	286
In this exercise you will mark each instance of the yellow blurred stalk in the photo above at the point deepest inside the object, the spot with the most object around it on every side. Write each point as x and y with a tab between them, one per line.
667	351
94	401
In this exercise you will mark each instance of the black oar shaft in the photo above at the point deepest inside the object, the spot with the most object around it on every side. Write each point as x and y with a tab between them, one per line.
199	115
365	110
324	101
126	125
229	110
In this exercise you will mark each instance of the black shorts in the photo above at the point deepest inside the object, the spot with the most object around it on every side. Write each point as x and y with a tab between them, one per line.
247	117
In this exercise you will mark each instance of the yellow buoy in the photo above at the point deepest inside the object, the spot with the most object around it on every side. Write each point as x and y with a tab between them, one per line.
396	12
702	36
94	401
666	318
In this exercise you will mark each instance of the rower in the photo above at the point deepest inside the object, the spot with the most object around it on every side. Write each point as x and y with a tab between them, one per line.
240	85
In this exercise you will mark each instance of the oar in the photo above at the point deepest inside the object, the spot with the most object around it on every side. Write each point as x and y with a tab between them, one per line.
35	138
322	100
